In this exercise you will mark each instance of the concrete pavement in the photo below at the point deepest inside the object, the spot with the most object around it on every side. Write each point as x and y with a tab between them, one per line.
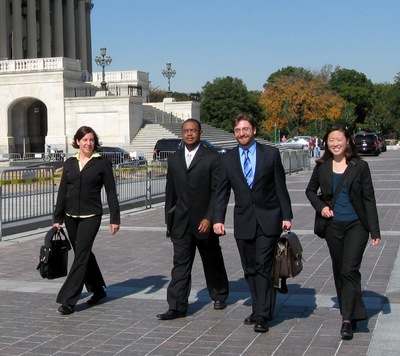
136	264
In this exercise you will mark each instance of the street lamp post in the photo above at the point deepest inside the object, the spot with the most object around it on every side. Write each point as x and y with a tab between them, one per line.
103	62
169	73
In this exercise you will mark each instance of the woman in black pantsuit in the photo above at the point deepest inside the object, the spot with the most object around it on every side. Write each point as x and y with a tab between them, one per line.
79	205
351	220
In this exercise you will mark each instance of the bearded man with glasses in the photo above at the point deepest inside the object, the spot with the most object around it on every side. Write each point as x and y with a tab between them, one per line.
262	210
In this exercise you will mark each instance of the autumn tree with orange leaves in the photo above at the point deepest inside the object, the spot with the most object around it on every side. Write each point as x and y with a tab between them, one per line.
300	106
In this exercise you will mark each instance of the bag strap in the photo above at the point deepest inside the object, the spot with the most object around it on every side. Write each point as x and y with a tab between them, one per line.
280	287
338	189
54	232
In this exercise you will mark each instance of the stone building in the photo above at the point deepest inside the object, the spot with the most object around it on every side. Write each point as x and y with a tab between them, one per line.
47	85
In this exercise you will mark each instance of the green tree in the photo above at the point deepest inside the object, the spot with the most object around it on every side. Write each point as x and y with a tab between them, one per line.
356	88
225	98
386	109
293	72
158	95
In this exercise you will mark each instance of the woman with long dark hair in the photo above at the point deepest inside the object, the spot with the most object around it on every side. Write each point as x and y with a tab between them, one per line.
351	219
79	205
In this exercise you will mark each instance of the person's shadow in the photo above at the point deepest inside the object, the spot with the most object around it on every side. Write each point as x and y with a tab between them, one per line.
297	303
148	285
374	303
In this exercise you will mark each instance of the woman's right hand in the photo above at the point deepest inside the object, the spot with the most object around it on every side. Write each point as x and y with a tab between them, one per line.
57	225
327	212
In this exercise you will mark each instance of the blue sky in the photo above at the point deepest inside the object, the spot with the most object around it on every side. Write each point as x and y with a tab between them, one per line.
246	39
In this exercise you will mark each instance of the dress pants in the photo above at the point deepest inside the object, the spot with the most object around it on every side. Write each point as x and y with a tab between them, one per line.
347	242
257	257
181	275
84	269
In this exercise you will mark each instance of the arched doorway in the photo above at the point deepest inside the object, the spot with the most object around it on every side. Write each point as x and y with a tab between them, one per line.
28	125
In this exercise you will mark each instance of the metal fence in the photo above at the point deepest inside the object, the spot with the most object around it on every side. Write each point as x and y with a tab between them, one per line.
25	194
30	193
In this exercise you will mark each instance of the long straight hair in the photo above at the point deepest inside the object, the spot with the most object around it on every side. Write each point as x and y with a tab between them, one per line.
351	149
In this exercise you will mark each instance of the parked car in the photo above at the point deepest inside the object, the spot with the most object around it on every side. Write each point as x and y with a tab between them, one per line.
116	155
213	147
382	141
296	143
165	147
367	143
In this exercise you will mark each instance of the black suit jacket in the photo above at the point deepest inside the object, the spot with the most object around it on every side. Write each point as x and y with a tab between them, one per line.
191	190
80	191
361	191
267	204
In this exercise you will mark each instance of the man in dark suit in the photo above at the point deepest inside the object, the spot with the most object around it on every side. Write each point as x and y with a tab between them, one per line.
192	179
262	210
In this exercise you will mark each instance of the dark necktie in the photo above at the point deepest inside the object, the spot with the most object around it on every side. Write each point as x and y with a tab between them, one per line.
247	169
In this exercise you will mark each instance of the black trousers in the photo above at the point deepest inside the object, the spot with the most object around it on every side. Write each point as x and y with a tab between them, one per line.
84	269
181	275
347	242
257	257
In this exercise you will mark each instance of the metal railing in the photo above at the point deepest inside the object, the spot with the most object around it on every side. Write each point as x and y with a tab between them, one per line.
25	193
30	193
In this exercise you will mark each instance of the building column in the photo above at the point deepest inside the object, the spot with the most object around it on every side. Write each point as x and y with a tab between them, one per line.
89	38
45	29
31	30
69	30
3	30
58	29
17	52
81	53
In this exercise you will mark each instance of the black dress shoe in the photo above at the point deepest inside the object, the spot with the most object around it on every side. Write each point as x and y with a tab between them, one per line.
65	309
346	331
170	315
96	297
219	305
250	320
261	325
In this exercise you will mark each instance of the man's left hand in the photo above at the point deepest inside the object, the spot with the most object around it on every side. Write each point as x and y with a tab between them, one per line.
205	226
286	225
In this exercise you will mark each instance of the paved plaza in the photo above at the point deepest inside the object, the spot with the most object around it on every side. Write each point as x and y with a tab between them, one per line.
136	264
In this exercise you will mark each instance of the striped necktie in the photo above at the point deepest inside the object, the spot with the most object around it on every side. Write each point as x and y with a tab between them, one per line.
247	169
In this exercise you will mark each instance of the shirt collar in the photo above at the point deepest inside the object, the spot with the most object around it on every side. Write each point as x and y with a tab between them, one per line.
192	152
252	149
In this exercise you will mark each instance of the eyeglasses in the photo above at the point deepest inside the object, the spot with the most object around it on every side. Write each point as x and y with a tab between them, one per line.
192	131
244	129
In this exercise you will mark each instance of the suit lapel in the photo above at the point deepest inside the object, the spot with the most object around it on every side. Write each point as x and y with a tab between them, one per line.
260	161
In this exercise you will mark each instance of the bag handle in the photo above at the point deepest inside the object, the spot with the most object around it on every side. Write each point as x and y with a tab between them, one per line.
52	233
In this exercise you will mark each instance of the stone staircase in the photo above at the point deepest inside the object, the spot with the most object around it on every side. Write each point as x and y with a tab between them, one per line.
145	140
158	124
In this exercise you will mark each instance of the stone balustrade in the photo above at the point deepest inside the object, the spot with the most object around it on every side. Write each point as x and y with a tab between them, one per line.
28	65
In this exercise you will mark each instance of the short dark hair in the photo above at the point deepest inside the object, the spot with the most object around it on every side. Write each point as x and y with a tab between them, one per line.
247	117
82	132
351	149
192	120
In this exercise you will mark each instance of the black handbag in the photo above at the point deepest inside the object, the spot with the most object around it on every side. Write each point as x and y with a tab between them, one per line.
320	222
53	256
288	259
